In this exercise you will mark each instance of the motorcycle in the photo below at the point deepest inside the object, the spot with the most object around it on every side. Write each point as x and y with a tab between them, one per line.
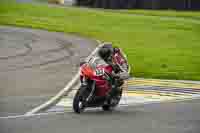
96	83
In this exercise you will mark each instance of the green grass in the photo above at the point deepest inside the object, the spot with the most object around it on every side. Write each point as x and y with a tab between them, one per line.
156	48
166	13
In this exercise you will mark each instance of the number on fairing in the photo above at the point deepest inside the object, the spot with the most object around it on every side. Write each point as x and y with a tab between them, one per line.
99	72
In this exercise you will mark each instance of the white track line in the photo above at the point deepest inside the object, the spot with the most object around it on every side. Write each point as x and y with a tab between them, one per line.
32	115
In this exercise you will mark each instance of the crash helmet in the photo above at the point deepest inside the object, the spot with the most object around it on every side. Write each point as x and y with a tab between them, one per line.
105	53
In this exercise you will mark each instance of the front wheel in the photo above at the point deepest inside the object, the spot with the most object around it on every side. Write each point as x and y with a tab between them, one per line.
78	102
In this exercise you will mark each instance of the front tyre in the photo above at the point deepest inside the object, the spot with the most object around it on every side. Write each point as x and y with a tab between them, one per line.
78	102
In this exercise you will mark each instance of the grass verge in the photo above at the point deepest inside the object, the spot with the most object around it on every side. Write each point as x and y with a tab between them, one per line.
163	13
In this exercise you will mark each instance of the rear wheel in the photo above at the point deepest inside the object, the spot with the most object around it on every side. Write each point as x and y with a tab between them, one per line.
106	107
114	102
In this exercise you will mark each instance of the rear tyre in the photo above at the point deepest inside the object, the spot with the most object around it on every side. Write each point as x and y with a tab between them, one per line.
106	107
114	102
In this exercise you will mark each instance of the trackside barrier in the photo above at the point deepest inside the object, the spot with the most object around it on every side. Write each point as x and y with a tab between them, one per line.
141	4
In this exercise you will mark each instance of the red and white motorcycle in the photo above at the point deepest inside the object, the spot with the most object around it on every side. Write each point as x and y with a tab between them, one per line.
97	83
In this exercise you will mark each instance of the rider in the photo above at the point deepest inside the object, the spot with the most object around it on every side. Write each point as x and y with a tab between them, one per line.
104	57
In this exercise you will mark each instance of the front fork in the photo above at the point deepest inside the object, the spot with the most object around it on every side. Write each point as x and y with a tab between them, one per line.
92	91
88	89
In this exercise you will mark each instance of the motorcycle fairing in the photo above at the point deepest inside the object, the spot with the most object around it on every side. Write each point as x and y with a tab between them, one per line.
102	85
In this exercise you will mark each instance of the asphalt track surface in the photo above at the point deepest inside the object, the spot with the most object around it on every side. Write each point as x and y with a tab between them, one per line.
180	117
35	65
